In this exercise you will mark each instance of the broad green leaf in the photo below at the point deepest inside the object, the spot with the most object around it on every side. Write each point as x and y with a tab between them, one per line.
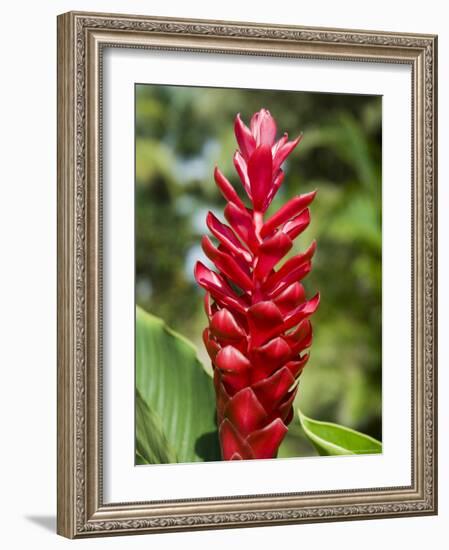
179	399
152	446
333	439
140	461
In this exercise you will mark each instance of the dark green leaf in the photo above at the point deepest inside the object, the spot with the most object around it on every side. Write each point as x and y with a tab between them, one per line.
140	460
152	446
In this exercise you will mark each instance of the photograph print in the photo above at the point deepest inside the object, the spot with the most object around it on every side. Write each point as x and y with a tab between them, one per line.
258	266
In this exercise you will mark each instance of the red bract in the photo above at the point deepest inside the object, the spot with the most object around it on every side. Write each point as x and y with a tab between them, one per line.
258	314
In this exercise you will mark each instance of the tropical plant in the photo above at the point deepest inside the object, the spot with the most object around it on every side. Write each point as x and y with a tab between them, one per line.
258	316
180	133
175	405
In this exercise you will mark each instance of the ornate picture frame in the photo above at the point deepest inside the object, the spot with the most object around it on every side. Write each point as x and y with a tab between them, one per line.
82	39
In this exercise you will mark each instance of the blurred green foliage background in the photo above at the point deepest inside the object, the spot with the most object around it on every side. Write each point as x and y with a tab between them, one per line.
181	133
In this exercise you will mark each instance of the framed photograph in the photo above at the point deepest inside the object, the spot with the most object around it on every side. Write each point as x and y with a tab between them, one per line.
246	274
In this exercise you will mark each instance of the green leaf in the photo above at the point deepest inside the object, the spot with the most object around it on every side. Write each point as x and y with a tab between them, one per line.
140	460
152	446
333	439
175	399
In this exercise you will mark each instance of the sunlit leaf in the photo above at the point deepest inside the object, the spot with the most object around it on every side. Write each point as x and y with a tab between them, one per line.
333	439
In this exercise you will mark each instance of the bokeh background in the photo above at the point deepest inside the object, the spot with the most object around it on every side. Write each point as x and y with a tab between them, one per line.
181	133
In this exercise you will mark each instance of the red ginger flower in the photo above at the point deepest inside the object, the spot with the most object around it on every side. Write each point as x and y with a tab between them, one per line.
258	316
